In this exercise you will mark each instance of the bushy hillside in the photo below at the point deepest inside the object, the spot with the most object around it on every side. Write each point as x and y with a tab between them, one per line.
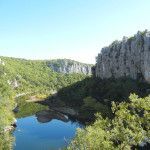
128	129
93	95
26	76
6	115
20	77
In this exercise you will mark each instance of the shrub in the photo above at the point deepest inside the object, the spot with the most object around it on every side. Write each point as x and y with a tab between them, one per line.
129	127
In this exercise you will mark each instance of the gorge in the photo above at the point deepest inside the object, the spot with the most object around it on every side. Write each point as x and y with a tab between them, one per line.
48	94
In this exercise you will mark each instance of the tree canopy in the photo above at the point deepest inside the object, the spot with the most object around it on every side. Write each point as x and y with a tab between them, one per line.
129	127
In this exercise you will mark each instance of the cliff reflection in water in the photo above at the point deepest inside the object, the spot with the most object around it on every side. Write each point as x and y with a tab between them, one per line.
48	115
42	129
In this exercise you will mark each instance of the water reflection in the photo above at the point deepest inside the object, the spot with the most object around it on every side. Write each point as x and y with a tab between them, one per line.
43	129
48	115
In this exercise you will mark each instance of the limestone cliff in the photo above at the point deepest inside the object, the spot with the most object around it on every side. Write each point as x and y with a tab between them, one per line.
129	57
69	66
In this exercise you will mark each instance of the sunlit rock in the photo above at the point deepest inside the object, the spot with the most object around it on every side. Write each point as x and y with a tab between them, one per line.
129	57
69	66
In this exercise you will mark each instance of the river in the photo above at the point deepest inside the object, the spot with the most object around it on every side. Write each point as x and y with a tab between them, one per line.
44	130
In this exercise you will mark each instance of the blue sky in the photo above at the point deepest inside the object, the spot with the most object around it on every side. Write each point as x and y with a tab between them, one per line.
75	29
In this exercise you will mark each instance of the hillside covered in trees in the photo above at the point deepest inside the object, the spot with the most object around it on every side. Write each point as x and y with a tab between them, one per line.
34	76
87	94
19	77
123	122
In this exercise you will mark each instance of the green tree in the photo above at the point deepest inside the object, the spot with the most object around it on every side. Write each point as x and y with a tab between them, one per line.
129	127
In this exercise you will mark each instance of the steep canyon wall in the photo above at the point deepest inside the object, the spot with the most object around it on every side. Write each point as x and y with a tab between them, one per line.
129	57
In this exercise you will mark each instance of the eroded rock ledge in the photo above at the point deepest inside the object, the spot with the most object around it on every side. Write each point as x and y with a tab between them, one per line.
69	66
129	57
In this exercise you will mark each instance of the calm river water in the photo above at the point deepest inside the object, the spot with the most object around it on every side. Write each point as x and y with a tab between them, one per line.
44	132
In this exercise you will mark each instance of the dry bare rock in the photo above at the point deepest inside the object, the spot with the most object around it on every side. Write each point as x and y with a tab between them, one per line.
129	57
69	66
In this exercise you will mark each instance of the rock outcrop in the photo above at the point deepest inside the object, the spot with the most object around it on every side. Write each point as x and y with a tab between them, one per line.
2	62
69	66
14	83
49	115
129	57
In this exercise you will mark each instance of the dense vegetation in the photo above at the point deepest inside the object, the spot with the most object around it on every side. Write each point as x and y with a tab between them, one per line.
35	76
6	115
93	95
26	77
105	91
88	95
128	129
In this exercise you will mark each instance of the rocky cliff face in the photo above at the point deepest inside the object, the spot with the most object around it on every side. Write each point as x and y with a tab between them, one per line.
129	57
69	66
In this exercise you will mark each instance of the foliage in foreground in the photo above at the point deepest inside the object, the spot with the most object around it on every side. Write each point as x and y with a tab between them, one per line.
129	127
6	105
6	115
6	141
